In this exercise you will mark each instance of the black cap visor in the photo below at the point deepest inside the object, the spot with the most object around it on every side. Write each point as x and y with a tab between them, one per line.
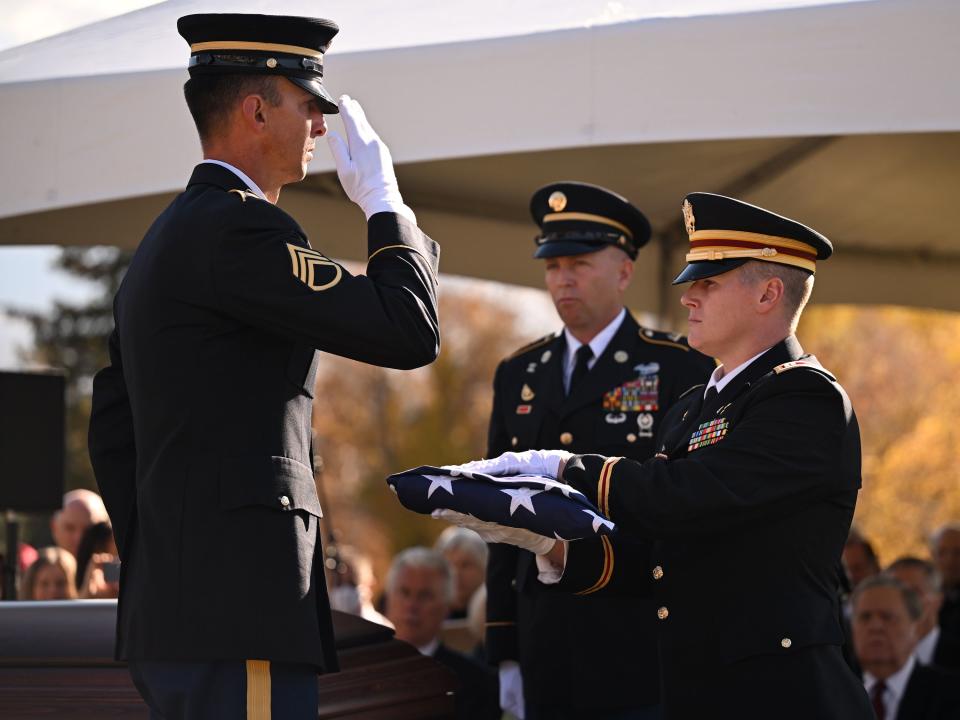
561	248
315	87
707	268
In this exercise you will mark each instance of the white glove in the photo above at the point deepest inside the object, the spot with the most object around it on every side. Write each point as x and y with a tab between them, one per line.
494	533
530	462
511	688
364	164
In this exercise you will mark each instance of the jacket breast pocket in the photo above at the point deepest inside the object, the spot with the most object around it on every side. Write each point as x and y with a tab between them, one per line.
268	481
302	369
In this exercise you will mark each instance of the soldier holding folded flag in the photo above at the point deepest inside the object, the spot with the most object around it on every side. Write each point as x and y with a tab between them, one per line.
747	503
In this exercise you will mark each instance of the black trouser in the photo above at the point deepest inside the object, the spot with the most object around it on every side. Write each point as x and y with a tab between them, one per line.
226	690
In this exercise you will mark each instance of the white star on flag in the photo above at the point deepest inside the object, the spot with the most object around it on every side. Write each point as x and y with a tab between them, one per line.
599	520
439	481
521	497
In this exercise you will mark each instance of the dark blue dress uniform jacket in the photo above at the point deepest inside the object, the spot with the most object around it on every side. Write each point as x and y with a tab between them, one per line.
749	516
586	651
200	434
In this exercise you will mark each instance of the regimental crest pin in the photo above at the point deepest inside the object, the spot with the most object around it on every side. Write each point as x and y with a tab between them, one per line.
531	367
526	394
546	356
557	201
688	219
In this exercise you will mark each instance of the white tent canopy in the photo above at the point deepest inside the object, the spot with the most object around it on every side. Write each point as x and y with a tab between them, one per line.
844	115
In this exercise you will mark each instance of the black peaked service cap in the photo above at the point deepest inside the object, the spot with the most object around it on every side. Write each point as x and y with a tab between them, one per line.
577	218
247	44
725	233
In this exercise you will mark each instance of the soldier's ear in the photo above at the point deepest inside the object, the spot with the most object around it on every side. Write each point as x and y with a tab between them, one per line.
625	275
771	296
252	111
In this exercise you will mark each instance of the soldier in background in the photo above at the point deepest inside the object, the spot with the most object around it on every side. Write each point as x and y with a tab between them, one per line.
601	384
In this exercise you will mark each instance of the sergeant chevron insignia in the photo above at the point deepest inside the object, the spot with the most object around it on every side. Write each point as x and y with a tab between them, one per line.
305	263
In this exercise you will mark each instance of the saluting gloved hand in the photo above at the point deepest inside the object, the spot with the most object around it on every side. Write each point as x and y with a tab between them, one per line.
545	463
494	533
364	164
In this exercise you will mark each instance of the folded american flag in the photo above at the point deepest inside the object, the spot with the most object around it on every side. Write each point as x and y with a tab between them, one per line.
532	502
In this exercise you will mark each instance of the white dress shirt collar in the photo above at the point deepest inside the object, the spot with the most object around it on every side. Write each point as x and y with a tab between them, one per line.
928	646
251	185
598	344
430	648
720	378
896	686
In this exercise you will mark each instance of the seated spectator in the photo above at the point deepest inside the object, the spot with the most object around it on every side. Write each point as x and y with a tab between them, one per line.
351	585
51	577
419	590
945	547
859	559
885	615
97	557
466	553
921	576
81	508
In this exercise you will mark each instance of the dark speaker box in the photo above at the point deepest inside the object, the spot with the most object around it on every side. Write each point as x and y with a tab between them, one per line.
32	438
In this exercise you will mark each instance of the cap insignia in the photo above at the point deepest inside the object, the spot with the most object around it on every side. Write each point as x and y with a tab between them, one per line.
557	201
688	219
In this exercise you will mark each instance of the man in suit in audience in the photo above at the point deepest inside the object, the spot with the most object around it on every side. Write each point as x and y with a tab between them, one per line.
945	547
933	646
885	615
420	588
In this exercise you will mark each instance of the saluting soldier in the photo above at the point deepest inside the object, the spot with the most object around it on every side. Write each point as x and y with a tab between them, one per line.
749	498
200	431
602	384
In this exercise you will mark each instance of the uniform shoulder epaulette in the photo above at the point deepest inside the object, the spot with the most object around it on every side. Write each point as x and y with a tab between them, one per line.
539	342
806	365
656	337
691	389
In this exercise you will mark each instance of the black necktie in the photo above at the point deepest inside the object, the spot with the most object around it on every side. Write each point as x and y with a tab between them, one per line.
876	697
584	353
710	396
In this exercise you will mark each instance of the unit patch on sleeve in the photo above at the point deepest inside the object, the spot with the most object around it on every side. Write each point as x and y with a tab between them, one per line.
709	433
313	269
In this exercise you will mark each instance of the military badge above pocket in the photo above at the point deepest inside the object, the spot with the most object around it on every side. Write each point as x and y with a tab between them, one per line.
640	395
709	433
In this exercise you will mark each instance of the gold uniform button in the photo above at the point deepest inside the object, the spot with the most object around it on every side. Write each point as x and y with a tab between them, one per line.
271	63
657	572
514	440
566	438
786	642
631	437
662	613
285	501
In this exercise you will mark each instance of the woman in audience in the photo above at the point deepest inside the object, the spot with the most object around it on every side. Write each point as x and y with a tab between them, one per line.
52	576
97	563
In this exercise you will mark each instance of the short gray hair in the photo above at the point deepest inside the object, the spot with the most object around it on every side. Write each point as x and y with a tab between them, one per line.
797	285
929	570
910	599
425	558
465	539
